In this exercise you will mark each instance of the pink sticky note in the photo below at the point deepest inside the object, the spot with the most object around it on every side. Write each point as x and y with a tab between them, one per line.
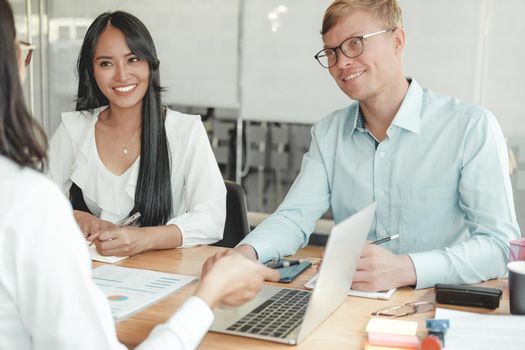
368	346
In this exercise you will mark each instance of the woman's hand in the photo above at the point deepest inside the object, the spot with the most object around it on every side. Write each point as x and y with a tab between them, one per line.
129	240
91	225
233	280
122	241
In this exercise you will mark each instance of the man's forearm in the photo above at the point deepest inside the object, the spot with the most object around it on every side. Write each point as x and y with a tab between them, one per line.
248	251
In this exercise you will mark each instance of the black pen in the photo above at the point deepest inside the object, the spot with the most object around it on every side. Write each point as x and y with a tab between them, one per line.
386	239
276	264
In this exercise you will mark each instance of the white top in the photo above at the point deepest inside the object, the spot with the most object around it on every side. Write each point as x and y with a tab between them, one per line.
47	297
198	191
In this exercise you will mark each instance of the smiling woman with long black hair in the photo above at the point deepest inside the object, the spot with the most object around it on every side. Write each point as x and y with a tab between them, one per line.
123	152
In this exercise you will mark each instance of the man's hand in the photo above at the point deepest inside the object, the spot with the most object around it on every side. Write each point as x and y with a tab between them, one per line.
91	225
380	269
246	250
233	279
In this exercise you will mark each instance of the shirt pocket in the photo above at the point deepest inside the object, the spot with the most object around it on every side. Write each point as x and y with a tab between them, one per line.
429	215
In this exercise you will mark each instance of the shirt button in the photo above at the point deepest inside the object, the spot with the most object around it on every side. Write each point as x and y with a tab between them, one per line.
382	154
382	232
381	193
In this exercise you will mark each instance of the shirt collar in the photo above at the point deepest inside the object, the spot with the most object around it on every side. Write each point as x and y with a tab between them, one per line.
409	115
359	120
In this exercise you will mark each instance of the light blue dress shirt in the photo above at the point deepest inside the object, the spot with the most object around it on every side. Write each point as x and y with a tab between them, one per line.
440	179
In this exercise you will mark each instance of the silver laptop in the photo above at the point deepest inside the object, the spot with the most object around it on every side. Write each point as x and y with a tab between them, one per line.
287	315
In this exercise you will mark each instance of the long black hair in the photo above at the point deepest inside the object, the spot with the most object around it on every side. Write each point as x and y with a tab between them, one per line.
153	197
21	138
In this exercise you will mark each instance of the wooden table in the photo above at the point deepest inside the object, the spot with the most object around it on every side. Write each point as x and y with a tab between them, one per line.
343	330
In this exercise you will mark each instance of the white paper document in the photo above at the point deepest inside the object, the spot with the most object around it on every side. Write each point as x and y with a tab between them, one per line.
384	295
107	259
470	330
131	290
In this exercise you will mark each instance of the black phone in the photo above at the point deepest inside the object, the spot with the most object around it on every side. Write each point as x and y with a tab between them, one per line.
288	273
466	295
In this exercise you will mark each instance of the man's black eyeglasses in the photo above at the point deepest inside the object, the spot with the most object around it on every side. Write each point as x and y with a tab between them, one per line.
351	48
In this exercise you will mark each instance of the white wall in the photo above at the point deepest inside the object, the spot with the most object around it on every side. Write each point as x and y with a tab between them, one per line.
280	79
472	49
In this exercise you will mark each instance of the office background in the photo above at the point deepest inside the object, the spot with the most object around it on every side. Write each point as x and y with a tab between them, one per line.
247	67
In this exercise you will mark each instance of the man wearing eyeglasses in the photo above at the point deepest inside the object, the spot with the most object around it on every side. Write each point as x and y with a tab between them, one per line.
437	167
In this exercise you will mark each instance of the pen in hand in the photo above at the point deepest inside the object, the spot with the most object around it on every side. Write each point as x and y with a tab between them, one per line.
379	241
129	221
126	222
386	239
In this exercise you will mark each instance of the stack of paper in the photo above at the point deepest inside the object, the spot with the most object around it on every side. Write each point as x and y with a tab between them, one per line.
386	333
482	332
384	295
130	290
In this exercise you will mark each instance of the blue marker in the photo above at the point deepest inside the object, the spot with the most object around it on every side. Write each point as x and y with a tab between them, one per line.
436	334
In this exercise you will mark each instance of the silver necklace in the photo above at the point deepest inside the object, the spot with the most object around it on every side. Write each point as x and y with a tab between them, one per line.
125	147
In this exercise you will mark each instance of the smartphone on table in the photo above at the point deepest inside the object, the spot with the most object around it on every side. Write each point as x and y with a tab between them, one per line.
288	273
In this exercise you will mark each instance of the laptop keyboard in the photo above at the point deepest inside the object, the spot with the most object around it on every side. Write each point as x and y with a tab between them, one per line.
277	316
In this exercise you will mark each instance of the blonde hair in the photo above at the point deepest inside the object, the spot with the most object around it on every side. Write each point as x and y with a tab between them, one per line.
387	11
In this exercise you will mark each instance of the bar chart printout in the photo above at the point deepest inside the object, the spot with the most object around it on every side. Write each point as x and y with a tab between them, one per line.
131	290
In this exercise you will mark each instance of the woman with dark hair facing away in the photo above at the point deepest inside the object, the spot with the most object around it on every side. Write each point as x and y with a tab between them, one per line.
39	310
122	152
